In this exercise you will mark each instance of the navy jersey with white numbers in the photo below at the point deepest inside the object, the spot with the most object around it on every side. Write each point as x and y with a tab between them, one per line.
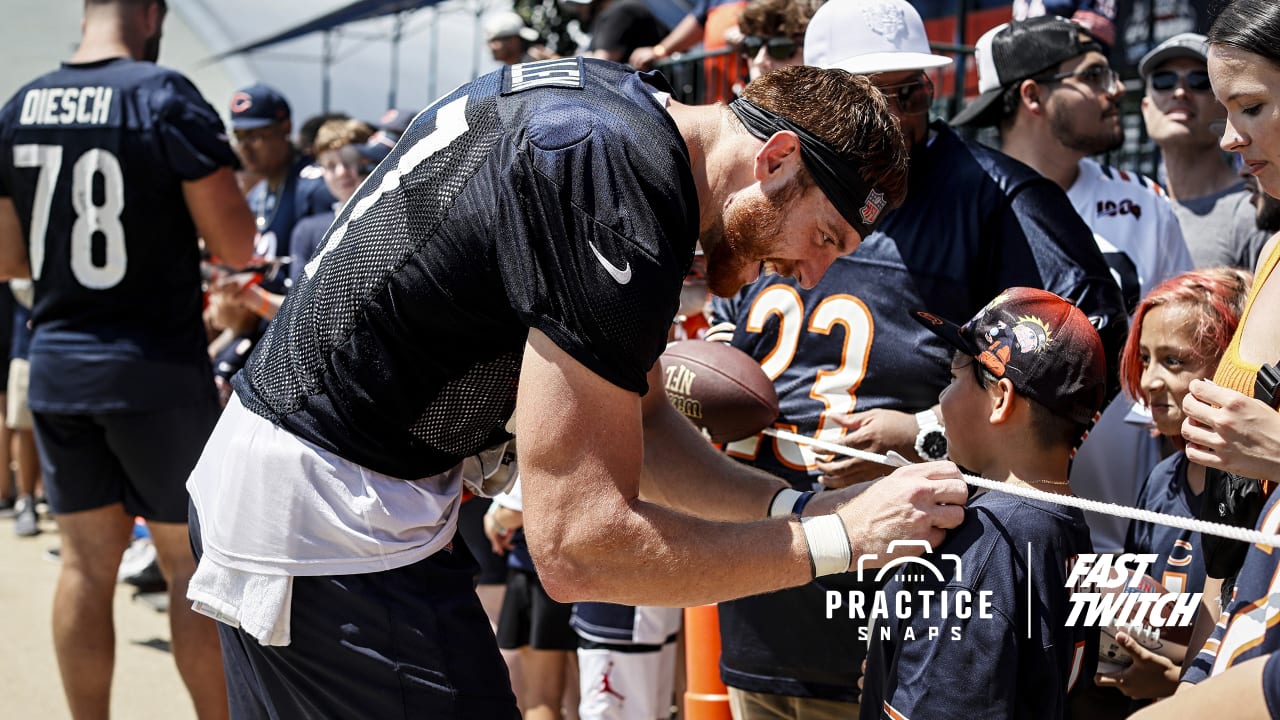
554	195
1180	560
1013	656
302	195
1248	629
975	222
94	156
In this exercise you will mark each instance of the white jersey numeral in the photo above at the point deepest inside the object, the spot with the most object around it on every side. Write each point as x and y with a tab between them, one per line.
91	218
836	389
451	124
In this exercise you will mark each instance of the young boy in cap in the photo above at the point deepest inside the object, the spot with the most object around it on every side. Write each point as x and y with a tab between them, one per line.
983	632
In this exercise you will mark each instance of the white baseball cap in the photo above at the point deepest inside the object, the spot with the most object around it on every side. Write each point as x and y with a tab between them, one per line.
869	36
508	24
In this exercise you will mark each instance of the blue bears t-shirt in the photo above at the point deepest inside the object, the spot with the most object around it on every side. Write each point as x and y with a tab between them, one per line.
1020	662
1179	556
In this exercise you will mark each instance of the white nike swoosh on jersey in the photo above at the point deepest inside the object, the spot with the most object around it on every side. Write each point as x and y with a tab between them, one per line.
621	275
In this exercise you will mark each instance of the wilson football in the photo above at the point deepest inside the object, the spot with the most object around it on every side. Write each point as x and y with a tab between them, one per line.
721	389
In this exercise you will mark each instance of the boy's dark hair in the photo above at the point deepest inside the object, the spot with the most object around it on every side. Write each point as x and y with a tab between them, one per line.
1050	430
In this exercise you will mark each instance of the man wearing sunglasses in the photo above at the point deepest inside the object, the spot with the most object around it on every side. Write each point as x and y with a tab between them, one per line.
1209	199
863	373
1047	86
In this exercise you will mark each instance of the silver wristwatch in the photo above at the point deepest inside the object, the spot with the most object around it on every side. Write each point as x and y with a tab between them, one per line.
931	442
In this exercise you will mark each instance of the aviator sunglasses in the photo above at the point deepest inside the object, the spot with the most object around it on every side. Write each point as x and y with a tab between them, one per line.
1166	80
779	47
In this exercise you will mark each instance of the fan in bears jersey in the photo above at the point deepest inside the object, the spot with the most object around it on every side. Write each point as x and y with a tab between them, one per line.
515	264
110	166
850	364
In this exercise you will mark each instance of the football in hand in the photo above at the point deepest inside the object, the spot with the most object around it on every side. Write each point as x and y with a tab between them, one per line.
721	389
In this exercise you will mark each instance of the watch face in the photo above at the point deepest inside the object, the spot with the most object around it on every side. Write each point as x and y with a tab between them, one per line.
934	445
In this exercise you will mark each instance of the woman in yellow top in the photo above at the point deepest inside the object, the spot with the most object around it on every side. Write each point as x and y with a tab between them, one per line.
1226	426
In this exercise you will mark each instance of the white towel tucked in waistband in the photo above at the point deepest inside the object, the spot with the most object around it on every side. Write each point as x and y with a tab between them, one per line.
257	603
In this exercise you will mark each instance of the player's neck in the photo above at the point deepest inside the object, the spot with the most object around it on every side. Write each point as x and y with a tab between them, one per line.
700	127
103	40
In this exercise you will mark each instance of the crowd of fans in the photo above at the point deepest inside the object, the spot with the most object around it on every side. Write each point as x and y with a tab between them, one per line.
1165	268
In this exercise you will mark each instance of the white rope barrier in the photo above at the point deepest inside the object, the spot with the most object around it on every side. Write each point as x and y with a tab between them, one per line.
1194	525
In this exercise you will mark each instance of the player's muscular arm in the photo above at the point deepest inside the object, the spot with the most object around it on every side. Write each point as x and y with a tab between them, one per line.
221	216
593	537
1241	683
581	452
13	249
683	471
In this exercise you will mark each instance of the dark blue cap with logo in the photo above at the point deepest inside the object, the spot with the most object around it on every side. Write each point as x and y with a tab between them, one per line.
257	106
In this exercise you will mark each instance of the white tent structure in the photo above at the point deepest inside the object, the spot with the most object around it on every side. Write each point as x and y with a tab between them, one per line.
440	48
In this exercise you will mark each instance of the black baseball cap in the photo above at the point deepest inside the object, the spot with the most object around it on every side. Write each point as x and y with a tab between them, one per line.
1018	51
257	106
1041	343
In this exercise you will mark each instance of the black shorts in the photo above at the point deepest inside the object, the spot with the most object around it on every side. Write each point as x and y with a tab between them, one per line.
413	642
530	617
493	567
140	459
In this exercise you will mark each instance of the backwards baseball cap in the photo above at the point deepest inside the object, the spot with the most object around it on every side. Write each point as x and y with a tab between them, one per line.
1043	344
257	106
1017	51
1182	45
869	36
508	24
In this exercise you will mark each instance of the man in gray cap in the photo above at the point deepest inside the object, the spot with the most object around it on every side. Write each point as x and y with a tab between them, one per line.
1181	113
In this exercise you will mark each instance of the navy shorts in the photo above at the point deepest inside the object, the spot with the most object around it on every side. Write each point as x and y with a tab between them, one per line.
141	459
530	617
493	567
413	642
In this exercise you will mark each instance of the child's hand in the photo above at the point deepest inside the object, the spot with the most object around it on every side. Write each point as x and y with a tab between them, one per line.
1150	676
878	431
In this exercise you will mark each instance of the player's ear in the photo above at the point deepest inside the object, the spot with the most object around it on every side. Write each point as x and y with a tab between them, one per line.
1002	396
776	154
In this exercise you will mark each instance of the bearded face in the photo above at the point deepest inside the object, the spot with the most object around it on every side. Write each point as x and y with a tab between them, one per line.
750	233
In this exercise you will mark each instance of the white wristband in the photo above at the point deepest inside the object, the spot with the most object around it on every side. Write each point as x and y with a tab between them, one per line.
783	502
829	549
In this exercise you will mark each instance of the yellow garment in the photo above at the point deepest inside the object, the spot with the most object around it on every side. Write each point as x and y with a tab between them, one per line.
1233	371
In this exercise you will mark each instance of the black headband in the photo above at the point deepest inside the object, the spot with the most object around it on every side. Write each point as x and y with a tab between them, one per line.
840	180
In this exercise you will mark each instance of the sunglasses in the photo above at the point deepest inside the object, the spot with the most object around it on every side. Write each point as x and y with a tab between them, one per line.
912	97
779	47
1167	80
1099	77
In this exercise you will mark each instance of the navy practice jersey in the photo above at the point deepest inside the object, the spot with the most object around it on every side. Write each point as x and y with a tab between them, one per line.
1020	659
94	156
304	241
975	222
1180	560
1248	629
554	195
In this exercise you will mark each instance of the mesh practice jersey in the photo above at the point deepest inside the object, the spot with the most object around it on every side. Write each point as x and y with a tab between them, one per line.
554	195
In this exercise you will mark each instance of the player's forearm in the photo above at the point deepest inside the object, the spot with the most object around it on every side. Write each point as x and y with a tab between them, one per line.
683	471
638	553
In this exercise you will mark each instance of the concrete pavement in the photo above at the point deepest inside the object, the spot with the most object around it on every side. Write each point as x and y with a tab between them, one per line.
146	684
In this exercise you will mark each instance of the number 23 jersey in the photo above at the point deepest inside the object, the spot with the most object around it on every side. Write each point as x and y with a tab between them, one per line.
94	156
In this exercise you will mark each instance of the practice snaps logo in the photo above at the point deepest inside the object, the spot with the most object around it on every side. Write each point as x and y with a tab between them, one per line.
924	587
1115	591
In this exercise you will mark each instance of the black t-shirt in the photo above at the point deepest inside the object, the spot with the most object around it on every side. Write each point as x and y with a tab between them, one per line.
554	195
94	156
624	26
